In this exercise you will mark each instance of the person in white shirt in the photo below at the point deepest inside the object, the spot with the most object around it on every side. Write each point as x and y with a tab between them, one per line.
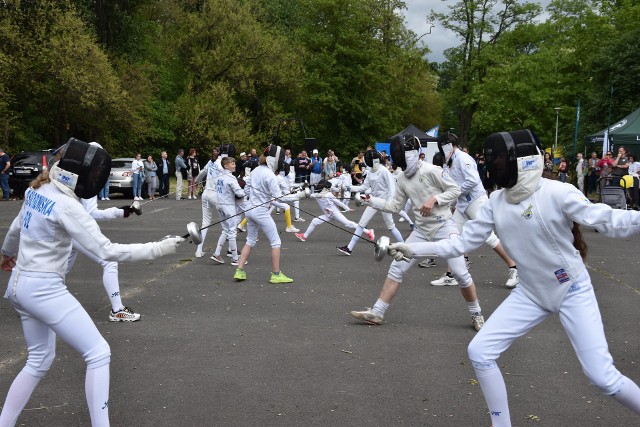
537	220
462	168
137	168
209	174
329	205
634	168
431	192
41	237
229	201
580	168
378	183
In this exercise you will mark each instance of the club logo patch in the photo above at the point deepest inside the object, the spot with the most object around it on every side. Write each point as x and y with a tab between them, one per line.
529	164
528	213
561	275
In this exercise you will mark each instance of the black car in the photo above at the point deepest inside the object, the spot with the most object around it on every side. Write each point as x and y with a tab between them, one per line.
24	168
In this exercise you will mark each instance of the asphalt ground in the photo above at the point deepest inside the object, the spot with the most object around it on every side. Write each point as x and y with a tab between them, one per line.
209	351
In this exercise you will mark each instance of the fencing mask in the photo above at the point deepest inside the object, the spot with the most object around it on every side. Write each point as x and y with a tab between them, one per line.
275	157
404	153
83	168
373	159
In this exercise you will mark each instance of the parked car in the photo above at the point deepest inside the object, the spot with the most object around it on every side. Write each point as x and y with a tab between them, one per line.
121	177
25	166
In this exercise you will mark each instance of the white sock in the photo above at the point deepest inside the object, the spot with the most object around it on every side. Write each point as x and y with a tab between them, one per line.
17	398
96	387
495	394
112	285
204	236
220	245
629	395
474	307
233	247
380	307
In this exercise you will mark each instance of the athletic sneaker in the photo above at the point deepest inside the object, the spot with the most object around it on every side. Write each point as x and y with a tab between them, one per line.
277	212
445	281
368	316
427	263
237	261
513	279
344	249
299	219
240	275
217	258
371	235
477	320
242	229
280	278
291	229
199	254
229	254
301	237
413	226
124	315
401	219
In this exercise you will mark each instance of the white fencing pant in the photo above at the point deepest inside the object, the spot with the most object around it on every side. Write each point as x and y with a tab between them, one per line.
471	213
178	185
209	198
109	274
260	219
458	267
314	178
330	215
47	309
229	231
581	320
367	215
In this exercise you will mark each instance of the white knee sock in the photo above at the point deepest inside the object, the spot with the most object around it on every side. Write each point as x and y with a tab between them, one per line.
629	395
112	285
96	387
355	238
17	398
233	247
221	240
495	394
204	236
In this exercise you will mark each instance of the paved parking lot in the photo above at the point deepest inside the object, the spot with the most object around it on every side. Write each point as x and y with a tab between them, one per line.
211	352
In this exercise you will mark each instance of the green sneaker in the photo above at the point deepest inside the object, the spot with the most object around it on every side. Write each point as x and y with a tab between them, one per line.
280	278
240	274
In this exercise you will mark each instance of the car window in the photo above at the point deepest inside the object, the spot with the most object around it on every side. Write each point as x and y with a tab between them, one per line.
27	159
121	164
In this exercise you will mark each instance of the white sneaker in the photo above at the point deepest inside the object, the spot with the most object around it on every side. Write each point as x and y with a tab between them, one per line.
299	219
444	281
124	315
401	219
199	254
427	263
477	320
292	229
242	229
106	198
513	279
217	258
368	316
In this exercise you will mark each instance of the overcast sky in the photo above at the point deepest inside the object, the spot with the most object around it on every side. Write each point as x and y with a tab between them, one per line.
440	38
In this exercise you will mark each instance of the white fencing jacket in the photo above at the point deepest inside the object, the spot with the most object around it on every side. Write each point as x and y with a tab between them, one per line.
464	171
379	183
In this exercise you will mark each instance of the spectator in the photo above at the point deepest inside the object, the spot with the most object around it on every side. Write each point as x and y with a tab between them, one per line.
547	172
620	165
634	167
5	163
315	168
137	168
329	167
193	168
357	167
151	171
580	169
181	173
422	156
287	157
605	165
240	165
302	164
253	159
163	175
593	173
104	191
562	170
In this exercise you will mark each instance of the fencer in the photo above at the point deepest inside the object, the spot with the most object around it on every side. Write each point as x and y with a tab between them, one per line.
40	236
463	170
538	220
329	205
209	174
263	187
380	183
431	193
